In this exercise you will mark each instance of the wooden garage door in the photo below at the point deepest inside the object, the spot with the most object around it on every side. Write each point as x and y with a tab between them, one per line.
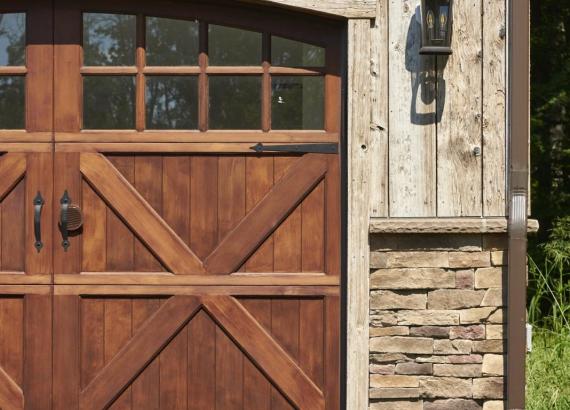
200	142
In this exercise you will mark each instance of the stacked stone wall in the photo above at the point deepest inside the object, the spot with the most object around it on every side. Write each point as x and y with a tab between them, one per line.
437	310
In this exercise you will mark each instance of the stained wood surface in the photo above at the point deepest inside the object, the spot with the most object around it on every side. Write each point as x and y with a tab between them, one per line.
345	8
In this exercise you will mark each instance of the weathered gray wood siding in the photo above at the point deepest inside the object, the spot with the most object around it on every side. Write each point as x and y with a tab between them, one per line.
438	125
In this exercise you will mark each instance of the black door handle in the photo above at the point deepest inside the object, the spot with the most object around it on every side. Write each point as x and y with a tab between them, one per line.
38	204
64	206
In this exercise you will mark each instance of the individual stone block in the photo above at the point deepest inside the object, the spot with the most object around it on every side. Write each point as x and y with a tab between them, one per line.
378	380
489	346
489	278
382	368
389	331
452	404
394	393
398	344
427	317
388	358
452	346
414	260
447	299
457	370
430	331
447	387
488	388
397	405
494	297
414	368
493	365
465	279
499	258
470	358
476	315
469	259
381	319
418	278
387	300
496	317
474	332
494	405
494	332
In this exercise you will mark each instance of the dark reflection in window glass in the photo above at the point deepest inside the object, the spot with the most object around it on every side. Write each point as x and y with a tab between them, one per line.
109	39
12	39
235	102
297	103
171	102
290	53
12	103
232	46
171	42
109	102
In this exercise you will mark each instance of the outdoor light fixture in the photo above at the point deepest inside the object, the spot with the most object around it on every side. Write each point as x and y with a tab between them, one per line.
437	26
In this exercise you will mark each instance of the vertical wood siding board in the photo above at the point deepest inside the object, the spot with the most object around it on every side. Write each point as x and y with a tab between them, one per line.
379	192
494	108
11	360
412	137
173	373
331	316
94	255
358	208
459	113
201	362
92	325
13	222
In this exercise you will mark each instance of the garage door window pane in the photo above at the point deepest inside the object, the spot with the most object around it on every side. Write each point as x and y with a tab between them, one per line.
290	53
12	103
297	103
232	46
171	102
109	102
12	39
171	42
109	39
235	102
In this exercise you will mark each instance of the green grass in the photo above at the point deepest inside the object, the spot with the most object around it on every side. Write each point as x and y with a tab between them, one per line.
548	372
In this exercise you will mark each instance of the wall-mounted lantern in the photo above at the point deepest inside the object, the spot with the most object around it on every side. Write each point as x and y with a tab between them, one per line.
437	27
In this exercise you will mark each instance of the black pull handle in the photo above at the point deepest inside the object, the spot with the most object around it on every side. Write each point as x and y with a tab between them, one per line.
65	201
38	205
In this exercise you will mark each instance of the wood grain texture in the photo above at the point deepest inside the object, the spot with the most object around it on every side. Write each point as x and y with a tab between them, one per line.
349	9
202	363
494	108
359	163
140	216
12	169
380	86
11	395
265	352
459	99
445	225
133	357
412	118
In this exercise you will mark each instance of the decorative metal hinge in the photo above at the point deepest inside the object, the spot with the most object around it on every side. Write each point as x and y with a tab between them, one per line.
322	148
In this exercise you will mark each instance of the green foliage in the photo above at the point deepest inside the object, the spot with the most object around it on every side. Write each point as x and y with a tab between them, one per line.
548	372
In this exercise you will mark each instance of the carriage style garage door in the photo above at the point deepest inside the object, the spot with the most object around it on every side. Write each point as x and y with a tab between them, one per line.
170	206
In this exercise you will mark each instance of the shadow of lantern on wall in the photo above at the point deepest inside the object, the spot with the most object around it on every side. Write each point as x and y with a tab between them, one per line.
437	27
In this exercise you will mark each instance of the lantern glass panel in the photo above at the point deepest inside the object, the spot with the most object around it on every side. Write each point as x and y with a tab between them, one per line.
436	26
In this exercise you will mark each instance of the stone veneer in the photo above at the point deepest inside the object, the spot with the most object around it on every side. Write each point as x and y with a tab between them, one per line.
437	322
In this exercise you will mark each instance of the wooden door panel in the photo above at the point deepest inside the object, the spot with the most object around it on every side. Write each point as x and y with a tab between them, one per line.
22	176
25	347
196	352
203	215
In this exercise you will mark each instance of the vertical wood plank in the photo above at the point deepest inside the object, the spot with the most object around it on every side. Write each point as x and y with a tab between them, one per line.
332	354
459	130
174	373
311	339
146	387
285	329
229	373
120	239
256	388
13	229
259	180
358	208
379	111
147	181
118	326
412	149
92	338
494	108
176	194
39	178
66	376
68	178
201	363
203	201
38	352
12	337
333	223
231	193
94	256
313	230
287	239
